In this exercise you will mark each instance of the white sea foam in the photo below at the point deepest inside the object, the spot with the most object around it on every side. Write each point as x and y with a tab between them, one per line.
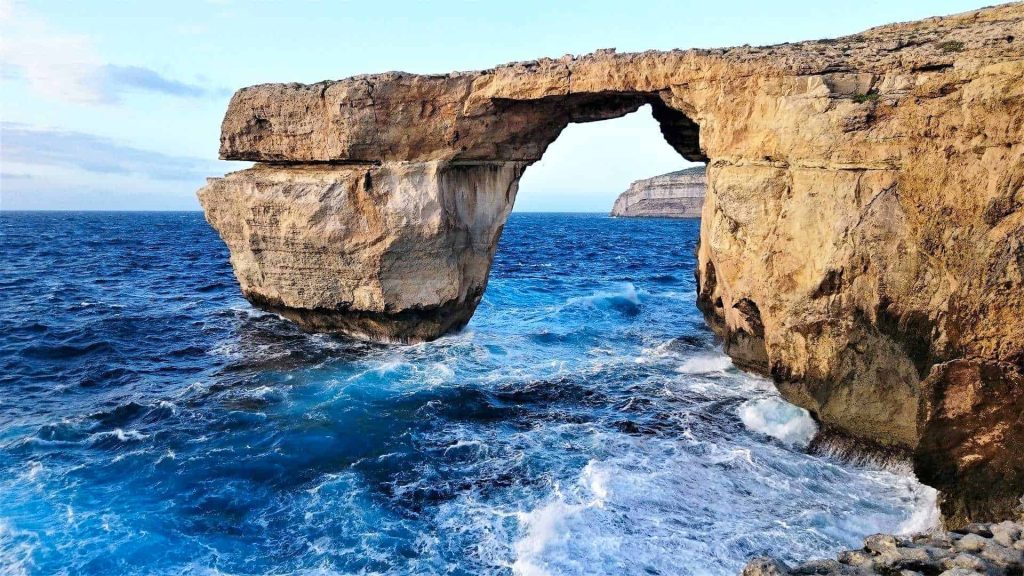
659	352
926	516
264	393
120	434
651	506
550	527
16	550
35	468
438	373
626	294
779	419
462	444
705	364
544	528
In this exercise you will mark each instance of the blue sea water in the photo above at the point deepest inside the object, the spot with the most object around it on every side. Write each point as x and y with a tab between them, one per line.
585	422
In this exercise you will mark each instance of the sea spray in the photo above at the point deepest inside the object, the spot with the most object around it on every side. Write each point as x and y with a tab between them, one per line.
779	419
705	364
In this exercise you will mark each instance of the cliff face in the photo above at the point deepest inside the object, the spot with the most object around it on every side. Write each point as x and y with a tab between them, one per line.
862	237
674	195
398	251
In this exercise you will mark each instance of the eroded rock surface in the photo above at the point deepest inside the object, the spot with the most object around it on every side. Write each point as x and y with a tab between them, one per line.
861	237
398	251
677	194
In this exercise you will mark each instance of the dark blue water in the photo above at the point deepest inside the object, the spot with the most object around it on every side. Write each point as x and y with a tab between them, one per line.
152	422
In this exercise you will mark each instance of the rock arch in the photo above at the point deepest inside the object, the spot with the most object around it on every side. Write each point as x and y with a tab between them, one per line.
861	238
391	236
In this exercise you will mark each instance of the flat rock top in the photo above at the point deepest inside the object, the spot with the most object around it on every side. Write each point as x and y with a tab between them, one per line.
696	171
511	112
987	35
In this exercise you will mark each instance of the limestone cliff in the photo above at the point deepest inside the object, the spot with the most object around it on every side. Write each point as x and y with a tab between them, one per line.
862	237
398	251
677	194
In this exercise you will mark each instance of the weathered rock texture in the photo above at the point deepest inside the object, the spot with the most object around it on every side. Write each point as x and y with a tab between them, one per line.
398	251
862	237
677	194
983	549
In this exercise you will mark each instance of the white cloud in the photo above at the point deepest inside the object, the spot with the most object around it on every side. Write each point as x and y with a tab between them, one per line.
35	146
51	169
54	63
66	66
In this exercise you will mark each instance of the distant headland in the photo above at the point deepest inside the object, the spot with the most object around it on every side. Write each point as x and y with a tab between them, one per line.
678	194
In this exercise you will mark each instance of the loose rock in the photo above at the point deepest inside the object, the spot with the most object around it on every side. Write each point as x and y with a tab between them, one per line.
939	552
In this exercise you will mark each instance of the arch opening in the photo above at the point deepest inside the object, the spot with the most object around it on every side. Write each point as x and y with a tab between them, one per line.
591	164
523	129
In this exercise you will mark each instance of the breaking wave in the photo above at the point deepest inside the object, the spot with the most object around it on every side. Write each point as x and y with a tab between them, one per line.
779	419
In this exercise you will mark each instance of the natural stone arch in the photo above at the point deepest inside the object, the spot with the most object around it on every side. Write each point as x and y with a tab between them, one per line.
860	239
392	250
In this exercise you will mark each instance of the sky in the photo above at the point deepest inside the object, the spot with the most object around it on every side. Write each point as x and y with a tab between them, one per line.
117	105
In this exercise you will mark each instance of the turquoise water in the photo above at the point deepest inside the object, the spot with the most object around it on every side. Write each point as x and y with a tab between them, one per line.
585	422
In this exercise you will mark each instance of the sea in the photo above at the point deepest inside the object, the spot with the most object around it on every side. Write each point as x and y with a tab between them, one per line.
585	421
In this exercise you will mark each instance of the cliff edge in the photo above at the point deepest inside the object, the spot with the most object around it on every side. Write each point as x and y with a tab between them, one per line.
678	194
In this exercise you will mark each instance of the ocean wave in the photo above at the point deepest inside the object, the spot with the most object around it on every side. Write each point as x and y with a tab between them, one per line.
779	419
679	348
108	437
625	299
705	364
926	515
17	549
547	530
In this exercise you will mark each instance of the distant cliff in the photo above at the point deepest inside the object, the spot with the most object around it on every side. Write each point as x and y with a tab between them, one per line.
674	195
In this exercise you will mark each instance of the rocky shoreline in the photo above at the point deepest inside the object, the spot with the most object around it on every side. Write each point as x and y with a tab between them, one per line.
983	549
678	194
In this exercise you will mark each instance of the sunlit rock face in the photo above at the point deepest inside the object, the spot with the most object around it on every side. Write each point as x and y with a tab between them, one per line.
862	228
399	251
677	194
